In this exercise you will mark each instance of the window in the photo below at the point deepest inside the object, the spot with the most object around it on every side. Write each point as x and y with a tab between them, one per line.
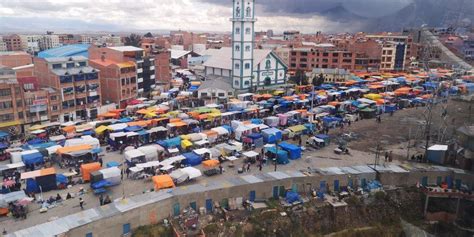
5	92
237	48
236	83
237	30
334	60
268	64
221	94
20	115
69	65
237	66
82	64
203	94
247	83
247	31
54	108
57	66
248	12
229	93
247	48
28	86
325	54
123	81
19	103
6	105
133	80
335	54
6	117
247	66
53	97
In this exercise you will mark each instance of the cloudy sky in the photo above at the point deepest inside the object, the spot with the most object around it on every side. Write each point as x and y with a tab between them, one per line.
213	15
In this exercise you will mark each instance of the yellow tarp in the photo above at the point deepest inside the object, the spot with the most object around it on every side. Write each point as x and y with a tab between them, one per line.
297	128
101	129
186	143
36	127
373	96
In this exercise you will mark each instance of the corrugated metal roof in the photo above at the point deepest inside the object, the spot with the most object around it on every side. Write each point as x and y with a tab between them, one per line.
66	51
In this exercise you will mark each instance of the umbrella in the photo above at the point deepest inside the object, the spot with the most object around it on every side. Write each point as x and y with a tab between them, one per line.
9	183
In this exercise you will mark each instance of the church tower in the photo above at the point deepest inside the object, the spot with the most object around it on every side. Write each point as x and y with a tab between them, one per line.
243	40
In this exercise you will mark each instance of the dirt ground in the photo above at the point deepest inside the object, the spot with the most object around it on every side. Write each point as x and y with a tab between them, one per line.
394	131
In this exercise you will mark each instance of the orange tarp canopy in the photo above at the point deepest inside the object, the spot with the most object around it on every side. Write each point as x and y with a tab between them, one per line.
69	129
380	101
87	169
210	163
47	171
333	103
68	149
402	91
288	98
116	111
108	115
163	181
375	87
350	83
179	124
302	96
302	111
210	133
427	96
202	116
267	96
142	123
173	120
143	111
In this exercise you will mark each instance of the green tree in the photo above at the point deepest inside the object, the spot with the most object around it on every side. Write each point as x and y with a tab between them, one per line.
299	78
133	40
318	80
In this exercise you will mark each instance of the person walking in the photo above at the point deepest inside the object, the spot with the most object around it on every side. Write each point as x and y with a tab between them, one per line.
220	168
101	200
248	167
101	162
260	166
81	203
386	156
128	172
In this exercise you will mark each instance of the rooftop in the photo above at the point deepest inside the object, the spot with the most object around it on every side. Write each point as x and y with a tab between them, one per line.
73	71
222	58
126	48
65	59
14	53
66	51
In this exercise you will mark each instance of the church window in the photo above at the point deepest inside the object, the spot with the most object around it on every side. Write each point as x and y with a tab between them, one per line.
247	31
237	11
237	48
237	30
268	64
247	12
247	66
237	66
247	48
246	83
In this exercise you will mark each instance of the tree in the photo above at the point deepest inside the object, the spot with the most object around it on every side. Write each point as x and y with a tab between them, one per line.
299	78
318	80
148	35
133	40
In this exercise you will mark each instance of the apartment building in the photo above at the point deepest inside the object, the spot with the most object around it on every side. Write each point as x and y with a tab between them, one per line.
49	41
77	83
41	104
31	43
406	39
12	111
12	42
3	45
145	65
393	56
321	56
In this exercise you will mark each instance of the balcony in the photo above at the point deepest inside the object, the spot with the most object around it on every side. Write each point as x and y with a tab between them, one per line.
65	79
92	76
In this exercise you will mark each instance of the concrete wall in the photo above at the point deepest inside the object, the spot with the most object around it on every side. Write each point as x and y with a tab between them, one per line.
158	210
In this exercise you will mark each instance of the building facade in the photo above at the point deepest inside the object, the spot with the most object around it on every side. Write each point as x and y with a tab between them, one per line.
393	56
243	39
307	58
12	112
76	81
12	42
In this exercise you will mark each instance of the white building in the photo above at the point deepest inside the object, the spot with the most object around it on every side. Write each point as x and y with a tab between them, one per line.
268	69
49	42
31	43
393	56
3	45
245	67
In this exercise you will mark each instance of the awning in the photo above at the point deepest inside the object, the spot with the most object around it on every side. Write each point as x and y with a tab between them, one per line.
70	149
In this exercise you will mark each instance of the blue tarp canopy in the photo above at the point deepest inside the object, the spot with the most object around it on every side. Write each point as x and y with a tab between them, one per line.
101	184
172	142
88	132
31	186
96	150
192	159
430	85
326	86
256	121
112	164
193	88
254	136
285	103
43	145
142	133
125	120
3	145
229	128
271	135
282	156
294	151
61	179
133	129
4	134
32	158
35	141
292	197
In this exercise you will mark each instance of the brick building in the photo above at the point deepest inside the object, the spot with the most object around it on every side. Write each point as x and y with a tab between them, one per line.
12	113
320	56
13	42
76	82
15	58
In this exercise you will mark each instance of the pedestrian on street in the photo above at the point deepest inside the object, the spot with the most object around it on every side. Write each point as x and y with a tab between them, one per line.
101	200
220	168
260	167
128	172
81	203
248	167
386	156
390	157
101	161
